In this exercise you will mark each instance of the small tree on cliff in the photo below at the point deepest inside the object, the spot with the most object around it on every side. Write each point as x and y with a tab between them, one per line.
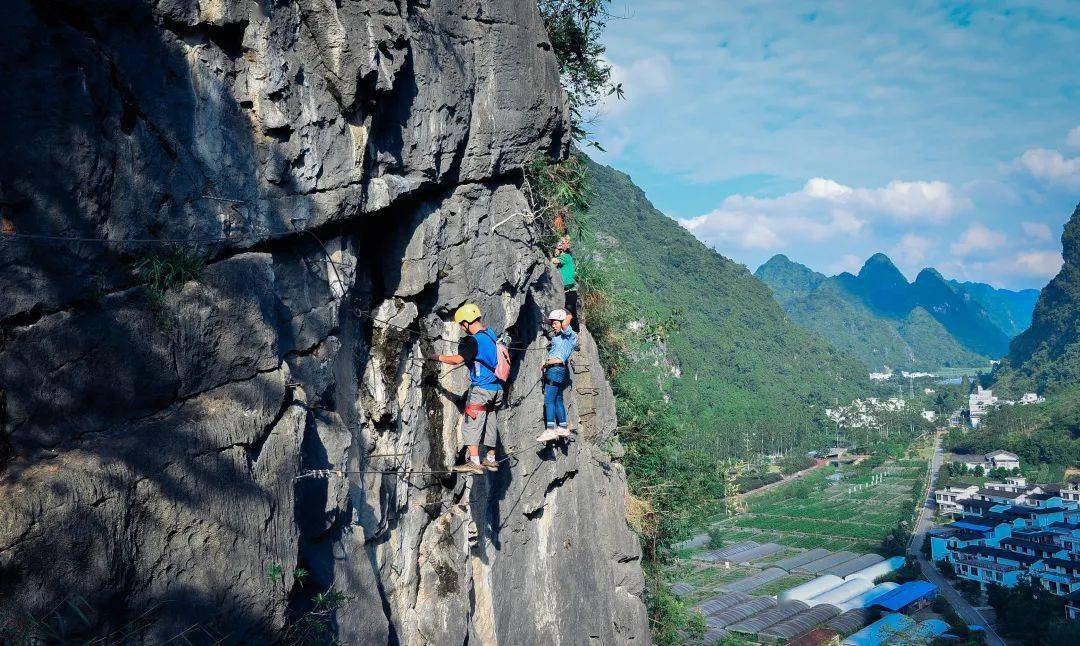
574	28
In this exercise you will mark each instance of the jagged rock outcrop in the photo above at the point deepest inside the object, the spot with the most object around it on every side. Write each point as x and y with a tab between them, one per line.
353	170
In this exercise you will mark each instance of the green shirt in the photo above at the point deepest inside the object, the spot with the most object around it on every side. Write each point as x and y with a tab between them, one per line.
565	263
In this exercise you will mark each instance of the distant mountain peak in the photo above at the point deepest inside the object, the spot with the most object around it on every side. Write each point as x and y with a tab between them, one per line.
789	276
930	274
779	259
878	313
880	268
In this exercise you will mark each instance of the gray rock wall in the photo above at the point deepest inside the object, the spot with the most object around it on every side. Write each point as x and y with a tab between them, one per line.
345	165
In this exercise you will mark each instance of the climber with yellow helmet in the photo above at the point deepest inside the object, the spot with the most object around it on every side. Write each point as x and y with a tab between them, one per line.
489	367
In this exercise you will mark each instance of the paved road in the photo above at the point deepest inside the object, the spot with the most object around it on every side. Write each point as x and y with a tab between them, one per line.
969	614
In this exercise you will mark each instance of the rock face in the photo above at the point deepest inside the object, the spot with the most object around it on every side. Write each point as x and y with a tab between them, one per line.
353	171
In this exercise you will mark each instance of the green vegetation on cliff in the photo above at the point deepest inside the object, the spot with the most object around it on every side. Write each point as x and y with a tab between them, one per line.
706	369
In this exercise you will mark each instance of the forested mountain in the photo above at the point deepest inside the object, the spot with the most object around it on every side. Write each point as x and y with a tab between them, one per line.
1046	357
1043	359
735	368
877	316
1009	310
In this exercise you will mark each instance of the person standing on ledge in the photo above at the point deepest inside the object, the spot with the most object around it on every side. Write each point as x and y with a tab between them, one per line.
479	351
557	376
564	260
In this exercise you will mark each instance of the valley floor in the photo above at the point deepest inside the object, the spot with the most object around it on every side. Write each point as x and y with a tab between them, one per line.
828	522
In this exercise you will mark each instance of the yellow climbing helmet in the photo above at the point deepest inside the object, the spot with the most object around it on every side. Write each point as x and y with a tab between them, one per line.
467	313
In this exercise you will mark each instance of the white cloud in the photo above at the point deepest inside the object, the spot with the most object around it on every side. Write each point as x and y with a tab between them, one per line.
1051	167
641	80
1038	263
848	262
1073	138
744	229
912	250
1037	230
822	210
1025	266
903	200
977	238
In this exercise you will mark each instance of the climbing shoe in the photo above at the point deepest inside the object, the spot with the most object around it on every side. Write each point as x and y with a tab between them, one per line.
491	465
469	467
547	436
562	432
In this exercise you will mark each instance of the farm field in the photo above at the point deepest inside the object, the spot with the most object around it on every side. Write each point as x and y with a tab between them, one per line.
849	508
855	513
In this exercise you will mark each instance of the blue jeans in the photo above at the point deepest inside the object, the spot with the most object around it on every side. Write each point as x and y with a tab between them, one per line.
555	382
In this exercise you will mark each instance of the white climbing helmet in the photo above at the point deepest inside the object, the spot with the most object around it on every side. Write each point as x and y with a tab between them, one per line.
557	315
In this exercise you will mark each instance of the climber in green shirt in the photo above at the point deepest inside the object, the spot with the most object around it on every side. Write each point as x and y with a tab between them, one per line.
564	260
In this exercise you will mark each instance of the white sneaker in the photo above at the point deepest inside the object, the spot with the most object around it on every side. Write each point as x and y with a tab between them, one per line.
547	436
562	432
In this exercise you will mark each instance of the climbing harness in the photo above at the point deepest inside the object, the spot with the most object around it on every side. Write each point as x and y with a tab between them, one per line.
474	410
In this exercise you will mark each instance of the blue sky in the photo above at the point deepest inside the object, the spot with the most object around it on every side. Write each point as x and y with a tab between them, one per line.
945	134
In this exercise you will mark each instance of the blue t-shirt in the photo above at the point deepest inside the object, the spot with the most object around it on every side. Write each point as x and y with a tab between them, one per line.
481	356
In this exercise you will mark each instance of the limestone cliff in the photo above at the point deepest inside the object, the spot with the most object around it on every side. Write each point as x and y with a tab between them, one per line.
353	171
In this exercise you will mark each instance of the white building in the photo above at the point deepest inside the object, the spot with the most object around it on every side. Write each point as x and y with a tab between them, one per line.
929	415
979	403
1031	398
880	376
1003	459
1071	491
989	461
948	499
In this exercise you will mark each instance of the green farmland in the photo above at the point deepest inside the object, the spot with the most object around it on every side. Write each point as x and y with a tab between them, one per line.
851	514
855	513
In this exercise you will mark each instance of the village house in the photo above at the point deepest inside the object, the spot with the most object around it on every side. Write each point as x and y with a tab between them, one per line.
992	460
948	499
1013	530
1071	491
1003	460
979	403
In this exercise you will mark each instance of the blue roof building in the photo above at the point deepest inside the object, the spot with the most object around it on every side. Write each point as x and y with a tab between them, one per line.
996	544
896	628
909	596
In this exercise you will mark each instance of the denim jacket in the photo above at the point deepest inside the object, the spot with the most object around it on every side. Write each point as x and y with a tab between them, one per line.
562	345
